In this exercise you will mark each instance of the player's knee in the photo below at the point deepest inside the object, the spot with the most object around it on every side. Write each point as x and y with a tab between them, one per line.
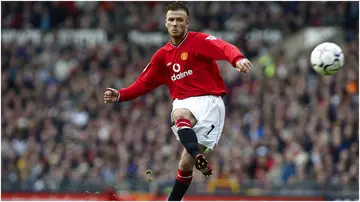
186	163
183	118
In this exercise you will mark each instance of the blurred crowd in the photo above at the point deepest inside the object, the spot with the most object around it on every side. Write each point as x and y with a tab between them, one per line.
295	126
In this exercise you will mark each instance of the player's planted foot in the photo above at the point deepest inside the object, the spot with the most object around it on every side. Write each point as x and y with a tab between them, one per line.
203	165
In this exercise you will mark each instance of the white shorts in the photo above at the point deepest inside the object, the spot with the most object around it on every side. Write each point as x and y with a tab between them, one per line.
209	112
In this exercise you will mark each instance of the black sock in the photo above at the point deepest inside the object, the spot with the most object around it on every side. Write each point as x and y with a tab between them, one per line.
178	191
188	138
182	183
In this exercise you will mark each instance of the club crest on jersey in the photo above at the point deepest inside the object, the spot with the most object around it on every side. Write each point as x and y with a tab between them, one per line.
184	56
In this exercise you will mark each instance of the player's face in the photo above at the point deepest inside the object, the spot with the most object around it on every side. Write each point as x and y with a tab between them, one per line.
176	23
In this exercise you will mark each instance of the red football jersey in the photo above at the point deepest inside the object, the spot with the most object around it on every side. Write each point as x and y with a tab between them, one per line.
188	69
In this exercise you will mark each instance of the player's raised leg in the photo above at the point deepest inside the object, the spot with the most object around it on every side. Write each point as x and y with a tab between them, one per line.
184	121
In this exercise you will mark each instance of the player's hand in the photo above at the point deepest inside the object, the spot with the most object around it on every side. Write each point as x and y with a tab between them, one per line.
111	95
243	65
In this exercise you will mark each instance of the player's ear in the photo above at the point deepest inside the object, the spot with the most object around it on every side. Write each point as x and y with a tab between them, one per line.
165	21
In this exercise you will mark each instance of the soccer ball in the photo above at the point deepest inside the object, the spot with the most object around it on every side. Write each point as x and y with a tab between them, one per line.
327	58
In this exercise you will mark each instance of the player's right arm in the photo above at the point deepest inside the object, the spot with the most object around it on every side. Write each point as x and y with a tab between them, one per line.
149	79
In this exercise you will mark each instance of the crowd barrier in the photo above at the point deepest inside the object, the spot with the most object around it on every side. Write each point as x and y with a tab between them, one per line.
31	196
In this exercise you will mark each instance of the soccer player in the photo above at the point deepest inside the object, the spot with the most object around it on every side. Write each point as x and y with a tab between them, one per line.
187	66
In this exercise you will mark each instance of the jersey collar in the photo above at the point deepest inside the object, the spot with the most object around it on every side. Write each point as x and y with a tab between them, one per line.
181	40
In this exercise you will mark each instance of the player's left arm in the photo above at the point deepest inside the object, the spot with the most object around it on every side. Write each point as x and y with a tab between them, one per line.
218	49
